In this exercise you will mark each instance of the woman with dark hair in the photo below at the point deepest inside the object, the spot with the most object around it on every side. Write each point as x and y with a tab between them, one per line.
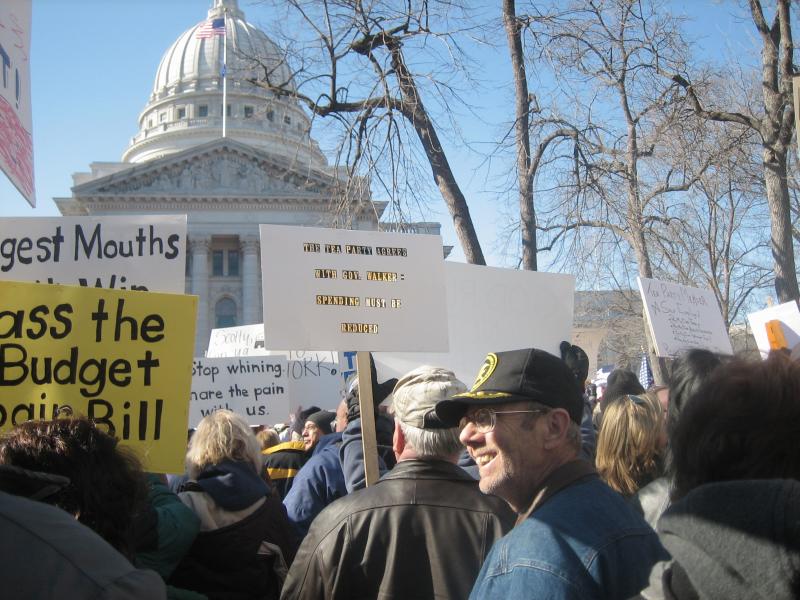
106	488
734	527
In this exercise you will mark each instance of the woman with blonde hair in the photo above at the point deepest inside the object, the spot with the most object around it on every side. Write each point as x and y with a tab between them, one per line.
245	544
631	443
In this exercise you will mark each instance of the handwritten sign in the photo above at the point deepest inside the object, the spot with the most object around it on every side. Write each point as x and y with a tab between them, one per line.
682	317
16	122
121	358
254	387
492	310
126	253
352	290
788	317
312	375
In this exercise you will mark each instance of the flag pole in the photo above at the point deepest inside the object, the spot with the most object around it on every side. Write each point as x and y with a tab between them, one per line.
224	72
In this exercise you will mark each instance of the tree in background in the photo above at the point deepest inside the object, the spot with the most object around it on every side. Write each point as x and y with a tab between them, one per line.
773	122
355	69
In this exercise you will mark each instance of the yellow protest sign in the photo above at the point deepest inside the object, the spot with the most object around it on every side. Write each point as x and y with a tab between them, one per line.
121	358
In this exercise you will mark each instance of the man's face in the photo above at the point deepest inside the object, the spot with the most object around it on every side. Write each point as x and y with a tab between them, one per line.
311	435
510	458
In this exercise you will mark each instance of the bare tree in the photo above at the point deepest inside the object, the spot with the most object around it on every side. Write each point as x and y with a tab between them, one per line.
774	125
356	70
615	187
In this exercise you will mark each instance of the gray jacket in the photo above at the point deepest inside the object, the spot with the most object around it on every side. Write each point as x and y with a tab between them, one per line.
48	554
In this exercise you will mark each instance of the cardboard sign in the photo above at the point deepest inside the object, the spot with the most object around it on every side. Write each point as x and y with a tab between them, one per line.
491	310
16	122
312	375
254	387
352	290
123	359
682	317
125	253
788	317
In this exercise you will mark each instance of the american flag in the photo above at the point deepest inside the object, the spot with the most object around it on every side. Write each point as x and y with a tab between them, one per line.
645	372
210	28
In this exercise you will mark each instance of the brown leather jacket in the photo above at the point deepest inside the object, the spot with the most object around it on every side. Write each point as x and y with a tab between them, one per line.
422	531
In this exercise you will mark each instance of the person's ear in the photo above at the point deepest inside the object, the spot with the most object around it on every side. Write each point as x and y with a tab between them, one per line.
398	440
556	424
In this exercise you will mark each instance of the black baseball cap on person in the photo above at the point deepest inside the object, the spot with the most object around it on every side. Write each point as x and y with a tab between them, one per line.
518	375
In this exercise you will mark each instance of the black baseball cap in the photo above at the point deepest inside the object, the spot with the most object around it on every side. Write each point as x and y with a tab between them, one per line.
518	375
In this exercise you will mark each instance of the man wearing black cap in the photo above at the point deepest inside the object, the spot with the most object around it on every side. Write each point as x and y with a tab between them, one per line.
575	537
422	531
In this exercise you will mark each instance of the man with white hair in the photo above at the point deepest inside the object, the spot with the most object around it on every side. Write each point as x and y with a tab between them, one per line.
422	531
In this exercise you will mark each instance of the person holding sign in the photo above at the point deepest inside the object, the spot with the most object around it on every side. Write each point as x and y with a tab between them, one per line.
245	543
422	531
575	537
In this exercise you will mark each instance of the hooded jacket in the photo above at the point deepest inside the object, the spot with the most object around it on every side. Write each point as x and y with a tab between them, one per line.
245	542
735	540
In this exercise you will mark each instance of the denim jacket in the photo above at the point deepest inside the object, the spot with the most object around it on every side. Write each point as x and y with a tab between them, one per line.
584	542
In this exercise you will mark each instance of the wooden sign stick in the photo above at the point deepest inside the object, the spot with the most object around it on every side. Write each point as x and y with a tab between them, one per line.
365	406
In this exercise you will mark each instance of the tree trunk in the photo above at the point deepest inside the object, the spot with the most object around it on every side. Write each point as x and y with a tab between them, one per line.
415	112
527	211
781	226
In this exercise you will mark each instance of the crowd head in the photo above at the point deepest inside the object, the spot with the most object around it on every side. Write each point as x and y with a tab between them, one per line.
106	486
222	435
631	442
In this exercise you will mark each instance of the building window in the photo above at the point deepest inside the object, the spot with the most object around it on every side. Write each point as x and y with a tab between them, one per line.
217	263
227	111
225	313
287	119
248	112
149	122
181	113
233	263
225	263
270	115
162	117
202	110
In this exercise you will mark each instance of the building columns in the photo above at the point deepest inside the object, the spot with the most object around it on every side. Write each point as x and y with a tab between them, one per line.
199	248
251	281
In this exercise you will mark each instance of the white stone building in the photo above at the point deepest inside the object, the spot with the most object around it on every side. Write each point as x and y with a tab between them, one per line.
267	168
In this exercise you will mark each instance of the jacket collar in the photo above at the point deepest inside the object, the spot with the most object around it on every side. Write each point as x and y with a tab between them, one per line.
416	468
564	476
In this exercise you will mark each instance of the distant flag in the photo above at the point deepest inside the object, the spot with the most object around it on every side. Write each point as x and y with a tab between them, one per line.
645	372
210	28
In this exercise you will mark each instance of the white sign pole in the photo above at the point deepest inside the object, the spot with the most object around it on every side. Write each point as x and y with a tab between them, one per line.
366	408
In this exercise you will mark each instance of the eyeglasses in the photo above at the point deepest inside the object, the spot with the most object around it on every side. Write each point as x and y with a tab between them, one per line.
485	419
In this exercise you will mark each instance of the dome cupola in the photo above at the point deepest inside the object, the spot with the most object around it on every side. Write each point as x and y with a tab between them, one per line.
185	107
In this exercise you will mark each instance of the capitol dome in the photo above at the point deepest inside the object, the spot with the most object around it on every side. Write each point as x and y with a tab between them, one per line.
185	107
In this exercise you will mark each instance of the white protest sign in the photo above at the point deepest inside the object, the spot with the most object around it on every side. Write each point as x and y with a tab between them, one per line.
16	123
126	253
352	290
682	317
789	317
492	310
254	387
313	375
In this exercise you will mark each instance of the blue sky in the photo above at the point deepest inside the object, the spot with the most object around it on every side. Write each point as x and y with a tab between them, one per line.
93	64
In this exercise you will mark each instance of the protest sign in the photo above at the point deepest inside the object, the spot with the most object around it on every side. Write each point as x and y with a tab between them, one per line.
16	122
312	375
254	387
682	317
352	290
788	317
126	253
121	358
491	310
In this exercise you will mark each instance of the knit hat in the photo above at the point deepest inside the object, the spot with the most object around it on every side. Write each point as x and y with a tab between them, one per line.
323	420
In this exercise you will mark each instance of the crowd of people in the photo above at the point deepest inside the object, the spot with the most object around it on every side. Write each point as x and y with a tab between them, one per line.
522	486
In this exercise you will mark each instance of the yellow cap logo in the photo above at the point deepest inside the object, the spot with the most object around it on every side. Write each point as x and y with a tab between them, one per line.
486	370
